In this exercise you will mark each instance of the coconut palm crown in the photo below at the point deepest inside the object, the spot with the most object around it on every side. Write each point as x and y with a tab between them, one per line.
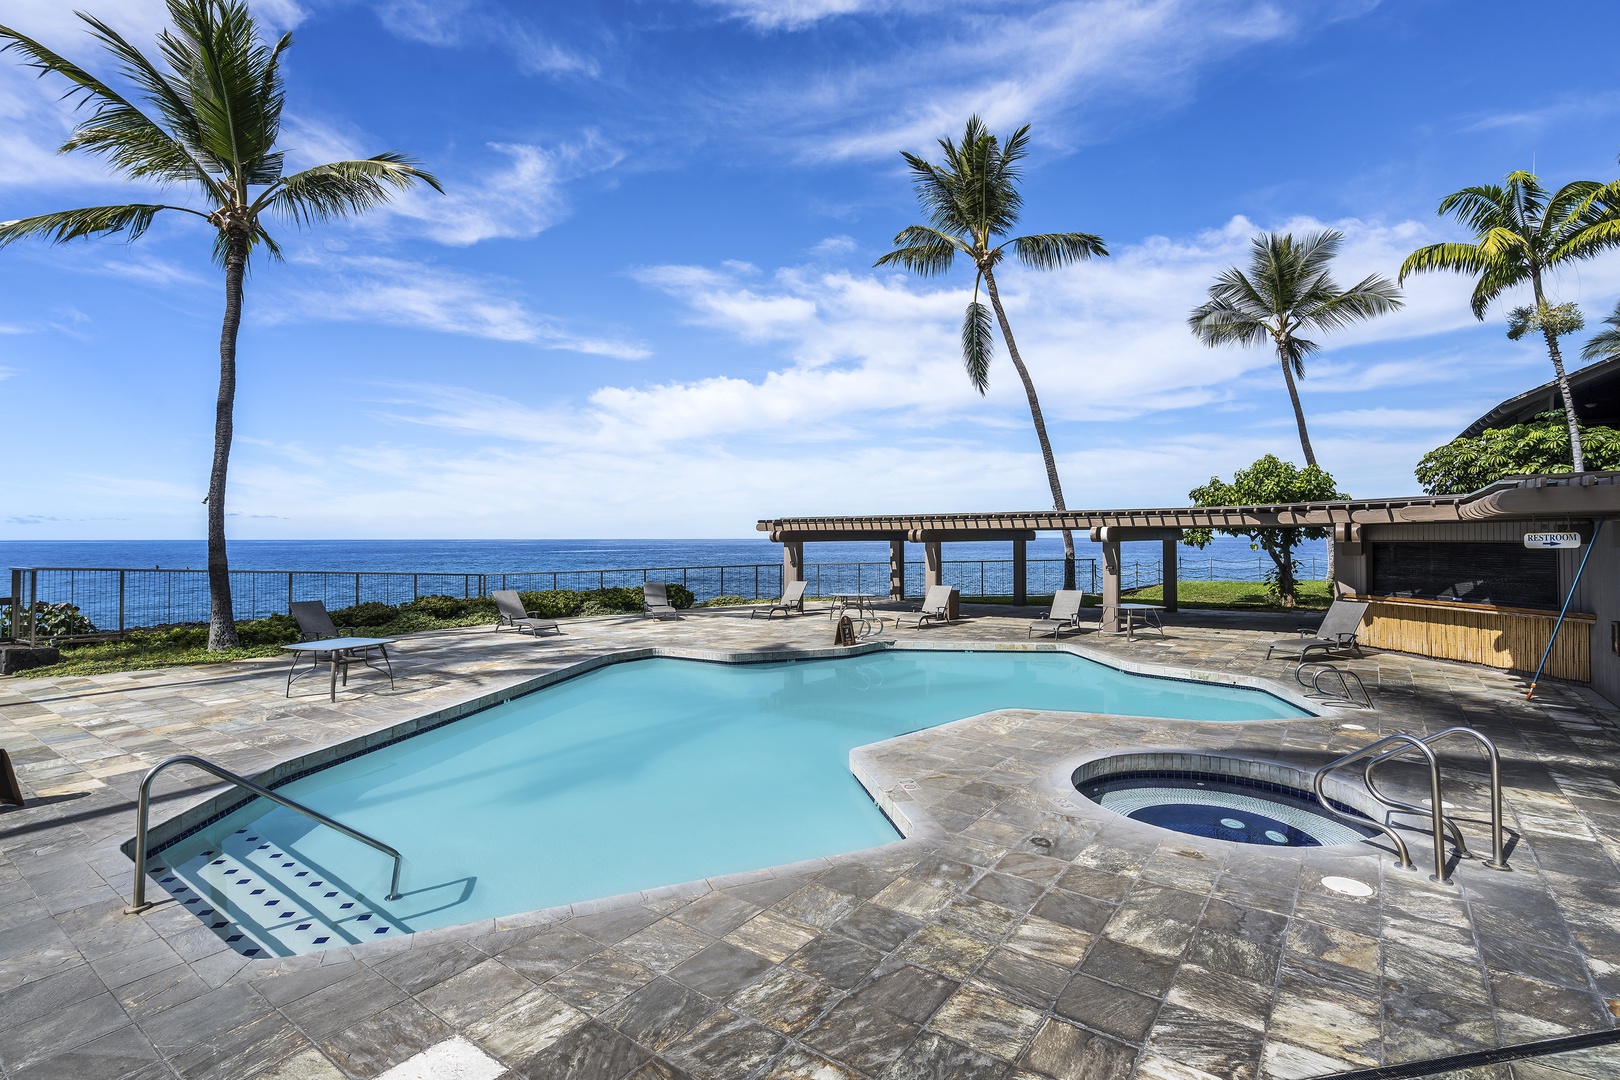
206	122
1287	292
972	201
1521	233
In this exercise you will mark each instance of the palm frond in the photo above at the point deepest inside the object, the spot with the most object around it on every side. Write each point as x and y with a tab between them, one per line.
1459	258
1368	298
978	344
341	188
1605	344
133	142
1048	251
65	225
1295	350
1480	207
1497	279
1218	323
233	83
924	250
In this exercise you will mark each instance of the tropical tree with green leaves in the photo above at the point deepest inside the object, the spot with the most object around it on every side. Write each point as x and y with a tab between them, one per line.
206	121
1268	482
1522	233
1470	462
1288	291
972	202
1605	344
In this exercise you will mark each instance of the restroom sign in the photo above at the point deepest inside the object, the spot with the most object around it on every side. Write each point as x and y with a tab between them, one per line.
1552	540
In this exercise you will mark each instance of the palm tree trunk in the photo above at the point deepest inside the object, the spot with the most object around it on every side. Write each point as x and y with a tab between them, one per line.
221	620
1299	411
1040	425
1563	380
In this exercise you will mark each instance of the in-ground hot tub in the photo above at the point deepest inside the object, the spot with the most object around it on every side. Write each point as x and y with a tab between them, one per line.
1222	798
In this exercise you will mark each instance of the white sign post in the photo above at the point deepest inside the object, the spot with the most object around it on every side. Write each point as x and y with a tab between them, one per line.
1552	540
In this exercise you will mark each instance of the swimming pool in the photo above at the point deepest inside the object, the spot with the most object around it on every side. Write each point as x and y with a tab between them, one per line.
636	775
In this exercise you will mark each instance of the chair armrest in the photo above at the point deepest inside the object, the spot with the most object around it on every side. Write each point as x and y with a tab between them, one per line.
349	631
534	614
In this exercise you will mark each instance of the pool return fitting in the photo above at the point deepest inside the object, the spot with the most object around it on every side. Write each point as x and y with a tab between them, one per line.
139	903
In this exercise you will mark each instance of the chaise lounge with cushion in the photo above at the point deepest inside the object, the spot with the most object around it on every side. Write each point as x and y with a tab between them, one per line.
1337	634
510	614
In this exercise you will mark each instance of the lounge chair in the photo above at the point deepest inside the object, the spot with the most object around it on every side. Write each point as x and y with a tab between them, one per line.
655	600
1065	614
510	614
792	602
1337	634
315	622
936	607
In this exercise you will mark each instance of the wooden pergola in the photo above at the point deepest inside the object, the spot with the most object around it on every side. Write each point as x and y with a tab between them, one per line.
1530	498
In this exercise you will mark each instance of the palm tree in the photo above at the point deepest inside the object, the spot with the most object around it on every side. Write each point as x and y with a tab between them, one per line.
972	201
1605	345
209	124
1520	233
1288	290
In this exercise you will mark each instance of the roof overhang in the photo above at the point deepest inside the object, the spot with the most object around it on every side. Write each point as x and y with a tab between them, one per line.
1587	495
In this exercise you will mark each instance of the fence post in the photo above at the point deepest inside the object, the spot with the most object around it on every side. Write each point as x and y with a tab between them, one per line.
33	598
121	603
357	589
15	632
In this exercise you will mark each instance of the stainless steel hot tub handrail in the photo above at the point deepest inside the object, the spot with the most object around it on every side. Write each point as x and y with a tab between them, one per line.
1410	742
1498	860
143	804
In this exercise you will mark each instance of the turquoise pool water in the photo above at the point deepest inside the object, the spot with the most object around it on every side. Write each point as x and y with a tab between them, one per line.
637	775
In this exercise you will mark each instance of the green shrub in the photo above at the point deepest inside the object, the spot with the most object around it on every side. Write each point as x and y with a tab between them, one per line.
53	620
369	613
726	601
552	603
275	630
596	606
680	596
451	607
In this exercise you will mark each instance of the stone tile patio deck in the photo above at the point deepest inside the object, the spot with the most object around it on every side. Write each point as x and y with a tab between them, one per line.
1016	935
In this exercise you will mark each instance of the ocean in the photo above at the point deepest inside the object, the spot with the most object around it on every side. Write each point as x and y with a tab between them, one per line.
1228	555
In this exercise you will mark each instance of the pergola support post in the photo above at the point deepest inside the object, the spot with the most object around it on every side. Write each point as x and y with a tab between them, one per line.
1110	592
792	562
897	569
1169	576
933	563
1020	573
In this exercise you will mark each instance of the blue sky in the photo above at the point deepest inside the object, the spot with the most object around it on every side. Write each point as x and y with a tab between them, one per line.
646	306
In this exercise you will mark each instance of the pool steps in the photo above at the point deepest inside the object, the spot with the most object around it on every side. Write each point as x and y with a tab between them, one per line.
263	900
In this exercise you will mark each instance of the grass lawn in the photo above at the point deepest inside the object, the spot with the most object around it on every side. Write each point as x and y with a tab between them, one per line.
1239	595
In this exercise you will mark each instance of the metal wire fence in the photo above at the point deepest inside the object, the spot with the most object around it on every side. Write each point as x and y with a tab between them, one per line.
115	600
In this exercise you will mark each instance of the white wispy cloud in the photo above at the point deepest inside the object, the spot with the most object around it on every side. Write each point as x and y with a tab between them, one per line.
516	192
1063	62
795	14
453	23
398	292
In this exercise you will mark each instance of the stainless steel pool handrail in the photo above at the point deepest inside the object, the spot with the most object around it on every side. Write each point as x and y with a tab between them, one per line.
139	902
1343	695
1498	860
1436	818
